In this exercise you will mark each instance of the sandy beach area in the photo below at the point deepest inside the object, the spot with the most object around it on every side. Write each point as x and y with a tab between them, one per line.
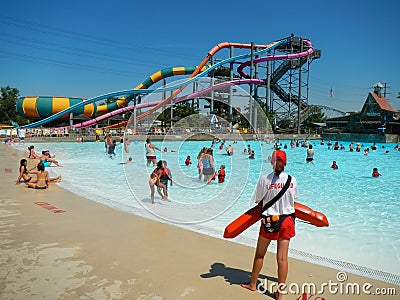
57	245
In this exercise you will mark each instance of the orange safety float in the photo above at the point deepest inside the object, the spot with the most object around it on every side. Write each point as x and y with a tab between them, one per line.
251	216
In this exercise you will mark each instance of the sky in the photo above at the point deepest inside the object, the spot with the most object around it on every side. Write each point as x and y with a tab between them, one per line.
90	48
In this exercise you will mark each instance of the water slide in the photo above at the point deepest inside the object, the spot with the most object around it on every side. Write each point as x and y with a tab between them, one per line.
305	53
276	57
43	107
177	87
177	100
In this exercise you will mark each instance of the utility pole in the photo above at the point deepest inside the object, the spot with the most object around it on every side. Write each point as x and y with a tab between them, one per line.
385	87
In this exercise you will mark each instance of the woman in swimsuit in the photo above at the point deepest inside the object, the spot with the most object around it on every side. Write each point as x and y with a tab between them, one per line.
310	154
207	161
46	157
32	153
23	173
42	178
199	162
150	153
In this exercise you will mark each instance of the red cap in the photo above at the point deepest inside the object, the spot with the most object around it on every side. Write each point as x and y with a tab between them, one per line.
278	155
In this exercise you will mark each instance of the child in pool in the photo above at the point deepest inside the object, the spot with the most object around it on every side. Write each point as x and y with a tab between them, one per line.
375	173
221	174
152	182
158	172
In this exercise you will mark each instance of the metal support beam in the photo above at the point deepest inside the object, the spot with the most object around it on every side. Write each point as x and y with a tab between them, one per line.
230	88
251	85
299	95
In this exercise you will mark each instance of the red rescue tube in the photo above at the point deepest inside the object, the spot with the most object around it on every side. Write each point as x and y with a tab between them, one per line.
251	216
305	213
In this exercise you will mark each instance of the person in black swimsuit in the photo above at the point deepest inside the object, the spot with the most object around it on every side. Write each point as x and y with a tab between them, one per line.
23	173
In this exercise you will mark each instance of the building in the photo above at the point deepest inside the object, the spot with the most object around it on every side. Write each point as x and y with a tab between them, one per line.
376	116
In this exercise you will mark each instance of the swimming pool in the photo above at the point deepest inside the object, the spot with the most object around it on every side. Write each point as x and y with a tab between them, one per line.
363	211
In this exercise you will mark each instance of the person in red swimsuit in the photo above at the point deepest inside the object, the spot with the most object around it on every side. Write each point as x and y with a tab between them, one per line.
221	174
375	172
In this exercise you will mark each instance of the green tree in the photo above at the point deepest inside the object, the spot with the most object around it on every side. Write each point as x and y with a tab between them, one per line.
180	111
318	117
8	101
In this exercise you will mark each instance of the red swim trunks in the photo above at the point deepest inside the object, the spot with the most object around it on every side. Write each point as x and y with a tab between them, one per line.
151	157
286	232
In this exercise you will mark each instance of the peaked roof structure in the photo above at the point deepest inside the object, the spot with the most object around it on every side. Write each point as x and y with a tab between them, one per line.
382	102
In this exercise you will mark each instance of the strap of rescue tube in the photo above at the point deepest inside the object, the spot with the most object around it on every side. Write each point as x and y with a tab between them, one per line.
278	196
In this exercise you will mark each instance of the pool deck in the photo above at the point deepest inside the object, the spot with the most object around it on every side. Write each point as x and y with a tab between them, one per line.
57	245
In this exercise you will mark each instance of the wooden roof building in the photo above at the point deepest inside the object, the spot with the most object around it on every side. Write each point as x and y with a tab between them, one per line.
376	116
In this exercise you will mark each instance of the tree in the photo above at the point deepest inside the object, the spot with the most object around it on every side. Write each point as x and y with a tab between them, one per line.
180	111
8	101
318	117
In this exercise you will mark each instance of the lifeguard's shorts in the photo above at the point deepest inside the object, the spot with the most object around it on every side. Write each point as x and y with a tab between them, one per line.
286	232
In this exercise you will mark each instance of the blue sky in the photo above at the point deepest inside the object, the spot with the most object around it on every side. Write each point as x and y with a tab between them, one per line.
89	48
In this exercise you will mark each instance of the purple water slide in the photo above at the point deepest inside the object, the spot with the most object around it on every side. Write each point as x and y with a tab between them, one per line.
220	85
178	100
275	57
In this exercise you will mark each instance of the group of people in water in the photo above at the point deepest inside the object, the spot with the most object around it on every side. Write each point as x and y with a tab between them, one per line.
42	179
159	178
358	148
161	175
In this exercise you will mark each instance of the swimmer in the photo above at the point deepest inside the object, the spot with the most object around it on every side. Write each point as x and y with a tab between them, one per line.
111	148
152	182
200	163
251	156
375	172
159	171
334	165
126	145
150	153
165	177
229	150
310	154
128	161
336	146
221	174
49	159
188	161
207	161
107	141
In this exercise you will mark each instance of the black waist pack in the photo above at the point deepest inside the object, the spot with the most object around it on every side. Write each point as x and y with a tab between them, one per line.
272	224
